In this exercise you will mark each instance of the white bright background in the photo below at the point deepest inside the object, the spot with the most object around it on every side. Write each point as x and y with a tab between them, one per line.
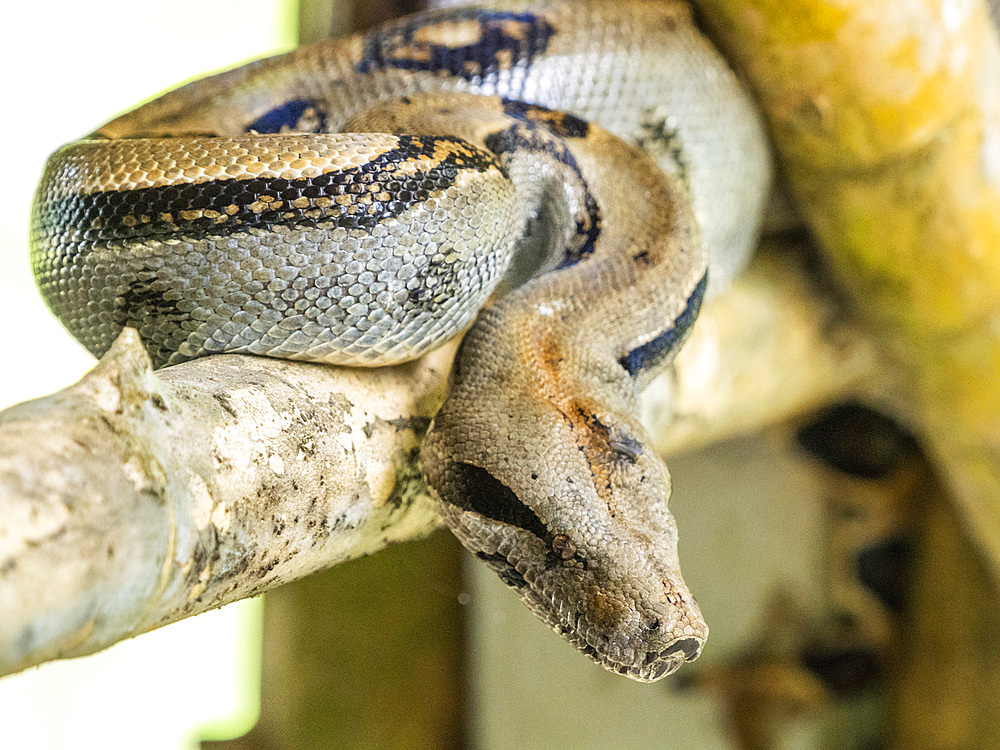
67	68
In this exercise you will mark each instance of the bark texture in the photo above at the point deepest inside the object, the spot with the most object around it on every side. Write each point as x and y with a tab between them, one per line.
133	499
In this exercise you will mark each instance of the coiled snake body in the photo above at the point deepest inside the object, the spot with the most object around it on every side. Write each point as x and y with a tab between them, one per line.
357	201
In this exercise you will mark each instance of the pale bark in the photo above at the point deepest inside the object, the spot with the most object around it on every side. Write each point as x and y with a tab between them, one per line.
134	499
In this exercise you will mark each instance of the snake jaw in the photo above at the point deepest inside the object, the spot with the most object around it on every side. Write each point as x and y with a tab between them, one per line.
635	644
643	663
557	489
632	646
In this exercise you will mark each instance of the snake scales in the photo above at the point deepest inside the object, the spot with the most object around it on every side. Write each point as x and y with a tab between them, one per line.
358	201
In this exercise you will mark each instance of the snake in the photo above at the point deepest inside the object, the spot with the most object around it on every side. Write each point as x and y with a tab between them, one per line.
554	180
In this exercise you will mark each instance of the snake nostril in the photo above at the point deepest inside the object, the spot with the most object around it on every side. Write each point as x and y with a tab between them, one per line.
654	625
689	647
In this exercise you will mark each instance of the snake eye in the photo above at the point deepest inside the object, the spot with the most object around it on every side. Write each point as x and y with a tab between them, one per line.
625	446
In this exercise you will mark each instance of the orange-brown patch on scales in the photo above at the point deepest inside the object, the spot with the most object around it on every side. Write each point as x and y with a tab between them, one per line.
462	33
592	436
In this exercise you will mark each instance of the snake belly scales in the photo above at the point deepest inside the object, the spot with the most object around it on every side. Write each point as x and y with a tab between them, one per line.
358	201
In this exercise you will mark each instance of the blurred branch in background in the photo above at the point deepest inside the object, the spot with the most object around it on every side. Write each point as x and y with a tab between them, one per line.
886	118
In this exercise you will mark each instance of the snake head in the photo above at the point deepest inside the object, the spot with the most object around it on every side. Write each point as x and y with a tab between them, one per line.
566	503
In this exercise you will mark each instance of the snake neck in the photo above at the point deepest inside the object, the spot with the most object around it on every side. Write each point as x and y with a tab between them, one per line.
536	460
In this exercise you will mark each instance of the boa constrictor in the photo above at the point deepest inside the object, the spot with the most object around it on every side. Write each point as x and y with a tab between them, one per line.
358	201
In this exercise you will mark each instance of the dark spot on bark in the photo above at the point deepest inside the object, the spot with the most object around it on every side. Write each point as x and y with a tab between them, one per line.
206	554
223	401
267	566
238	565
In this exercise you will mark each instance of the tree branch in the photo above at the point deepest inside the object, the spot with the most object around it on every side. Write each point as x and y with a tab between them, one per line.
133	499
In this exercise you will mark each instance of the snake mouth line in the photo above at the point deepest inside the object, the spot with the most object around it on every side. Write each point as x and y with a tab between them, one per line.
640	664
654	665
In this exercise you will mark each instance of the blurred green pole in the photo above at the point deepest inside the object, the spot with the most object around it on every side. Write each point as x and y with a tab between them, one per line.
366	655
